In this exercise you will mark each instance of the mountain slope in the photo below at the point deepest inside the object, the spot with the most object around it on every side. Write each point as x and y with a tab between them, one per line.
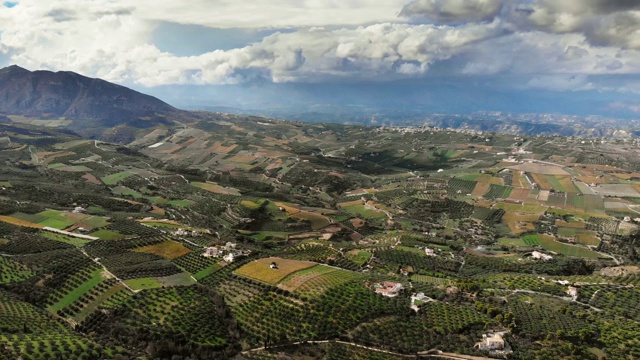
94	105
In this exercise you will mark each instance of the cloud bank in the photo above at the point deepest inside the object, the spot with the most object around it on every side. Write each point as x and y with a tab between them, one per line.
555	45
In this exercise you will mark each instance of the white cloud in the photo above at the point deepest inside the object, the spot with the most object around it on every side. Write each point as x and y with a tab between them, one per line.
268	14
328	39
113	44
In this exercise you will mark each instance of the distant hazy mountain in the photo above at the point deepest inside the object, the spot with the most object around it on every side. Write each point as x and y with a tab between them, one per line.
94	105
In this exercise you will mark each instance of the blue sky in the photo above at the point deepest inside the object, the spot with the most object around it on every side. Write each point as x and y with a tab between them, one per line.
577	57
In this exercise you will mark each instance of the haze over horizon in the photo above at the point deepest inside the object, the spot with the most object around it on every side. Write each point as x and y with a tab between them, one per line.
430	55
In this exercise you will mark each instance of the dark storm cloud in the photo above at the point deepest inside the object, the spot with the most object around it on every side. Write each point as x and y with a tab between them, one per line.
602	22
611	6
117	12
62	15
620	29
449	11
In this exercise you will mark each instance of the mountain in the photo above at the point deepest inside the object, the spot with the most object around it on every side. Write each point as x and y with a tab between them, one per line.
93	105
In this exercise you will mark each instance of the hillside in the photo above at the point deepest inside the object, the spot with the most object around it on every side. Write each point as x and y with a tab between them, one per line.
89	106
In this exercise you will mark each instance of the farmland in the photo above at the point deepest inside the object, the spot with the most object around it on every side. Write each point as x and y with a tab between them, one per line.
215	188
182	228
312	282
260	269
551	244
168	249
114	179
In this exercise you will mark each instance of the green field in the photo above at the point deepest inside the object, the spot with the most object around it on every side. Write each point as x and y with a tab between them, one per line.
548	243
531	240
262	235
519	242
125	191
94	222
358	256
206	271
161	224
34	218
411	249
56	165
180	203
65	238
181	279
363	212
78	291
113	179
156	199
143	283
59	219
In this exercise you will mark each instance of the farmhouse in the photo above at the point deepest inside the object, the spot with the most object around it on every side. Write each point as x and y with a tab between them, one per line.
228	258
211	251
491	342
417	299
429	252
573	292
541	256
388	288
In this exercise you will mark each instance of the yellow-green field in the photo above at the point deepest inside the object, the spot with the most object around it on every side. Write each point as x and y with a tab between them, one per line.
259	269
215	188
167	249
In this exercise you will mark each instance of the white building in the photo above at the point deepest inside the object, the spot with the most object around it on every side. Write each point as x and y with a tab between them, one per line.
541	256
491	342
228	258
211	252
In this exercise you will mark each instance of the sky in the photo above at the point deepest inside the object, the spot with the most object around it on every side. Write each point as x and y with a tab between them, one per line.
579	56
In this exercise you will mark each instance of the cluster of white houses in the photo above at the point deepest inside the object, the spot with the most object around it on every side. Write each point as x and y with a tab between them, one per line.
228	252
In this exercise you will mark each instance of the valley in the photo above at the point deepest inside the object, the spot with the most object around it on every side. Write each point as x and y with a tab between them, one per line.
224	234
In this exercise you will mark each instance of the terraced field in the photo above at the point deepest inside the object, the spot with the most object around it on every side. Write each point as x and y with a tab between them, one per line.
313	282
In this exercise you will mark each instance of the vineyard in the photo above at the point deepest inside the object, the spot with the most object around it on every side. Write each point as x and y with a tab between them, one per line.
498	192
460	186
487	214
